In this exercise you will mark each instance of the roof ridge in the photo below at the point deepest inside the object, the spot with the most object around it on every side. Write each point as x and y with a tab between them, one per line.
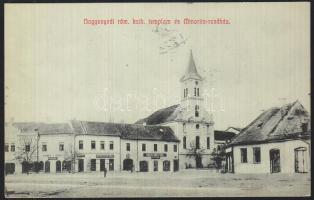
290	106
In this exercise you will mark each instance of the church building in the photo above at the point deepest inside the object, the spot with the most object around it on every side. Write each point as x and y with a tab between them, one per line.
189	120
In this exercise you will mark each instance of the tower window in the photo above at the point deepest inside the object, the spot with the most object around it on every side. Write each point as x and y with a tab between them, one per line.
184	142
184	127
208	143
197	110
197	142
197	126
198	92
194	91
187	92
196	82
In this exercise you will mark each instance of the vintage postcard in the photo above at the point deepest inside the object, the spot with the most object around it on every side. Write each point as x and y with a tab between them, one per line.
157	100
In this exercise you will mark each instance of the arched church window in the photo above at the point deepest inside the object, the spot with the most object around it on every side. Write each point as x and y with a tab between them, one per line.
184	142
194	91
197	142
198	92
197	126
184	127
196	111
196	82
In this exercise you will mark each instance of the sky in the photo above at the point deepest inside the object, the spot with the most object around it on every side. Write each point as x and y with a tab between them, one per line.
57	68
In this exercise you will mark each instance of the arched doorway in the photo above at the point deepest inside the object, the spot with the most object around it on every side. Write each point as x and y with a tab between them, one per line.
47	166
300	160
143	166
41	165
58	166
127	164
274	155
66	166
166	165
25	167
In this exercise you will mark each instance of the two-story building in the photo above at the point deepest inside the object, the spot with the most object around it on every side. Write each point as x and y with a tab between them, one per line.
83	146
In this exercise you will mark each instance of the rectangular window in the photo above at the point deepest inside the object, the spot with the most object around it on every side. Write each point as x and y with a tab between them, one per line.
44	147
256	154
208	143
175	149
6	147
243	155
61	146
12	147
155	147
93	144
194	91
187	92
143	147
27	147
102	145
128	146
166	148
111	145
81	144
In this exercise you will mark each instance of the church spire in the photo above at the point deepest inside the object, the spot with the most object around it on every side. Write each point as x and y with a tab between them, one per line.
191	71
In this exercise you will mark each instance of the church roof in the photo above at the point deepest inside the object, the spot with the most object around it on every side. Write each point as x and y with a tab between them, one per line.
276	124
191	71
161	116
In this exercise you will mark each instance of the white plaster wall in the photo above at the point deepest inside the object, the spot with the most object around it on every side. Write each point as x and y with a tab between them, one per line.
190	133
287	157
91	153
137	155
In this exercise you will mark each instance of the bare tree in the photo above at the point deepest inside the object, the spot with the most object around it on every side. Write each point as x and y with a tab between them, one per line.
219	157
70	155
26	151
195	152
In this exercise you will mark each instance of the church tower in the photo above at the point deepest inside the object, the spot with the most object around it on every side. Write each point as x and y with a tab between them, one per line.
192	99
197	127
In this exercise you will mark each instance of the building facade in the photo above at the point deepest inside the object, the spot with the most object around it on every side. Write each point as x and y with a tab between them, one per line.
81	146
278	141
189	120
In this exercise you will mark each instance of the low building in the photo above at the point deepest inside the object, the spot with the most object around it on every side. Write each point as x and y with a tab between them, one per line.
222	138
82	146
276	141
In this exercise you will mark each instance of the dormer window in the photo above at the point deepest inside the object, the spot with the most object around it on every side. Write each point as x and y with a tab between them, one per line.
304	127
260	125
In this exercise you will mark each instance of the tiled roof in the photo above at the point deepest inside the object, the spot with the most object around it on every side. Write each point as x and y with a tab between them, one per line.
126	131
276	124
223	135
43	128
